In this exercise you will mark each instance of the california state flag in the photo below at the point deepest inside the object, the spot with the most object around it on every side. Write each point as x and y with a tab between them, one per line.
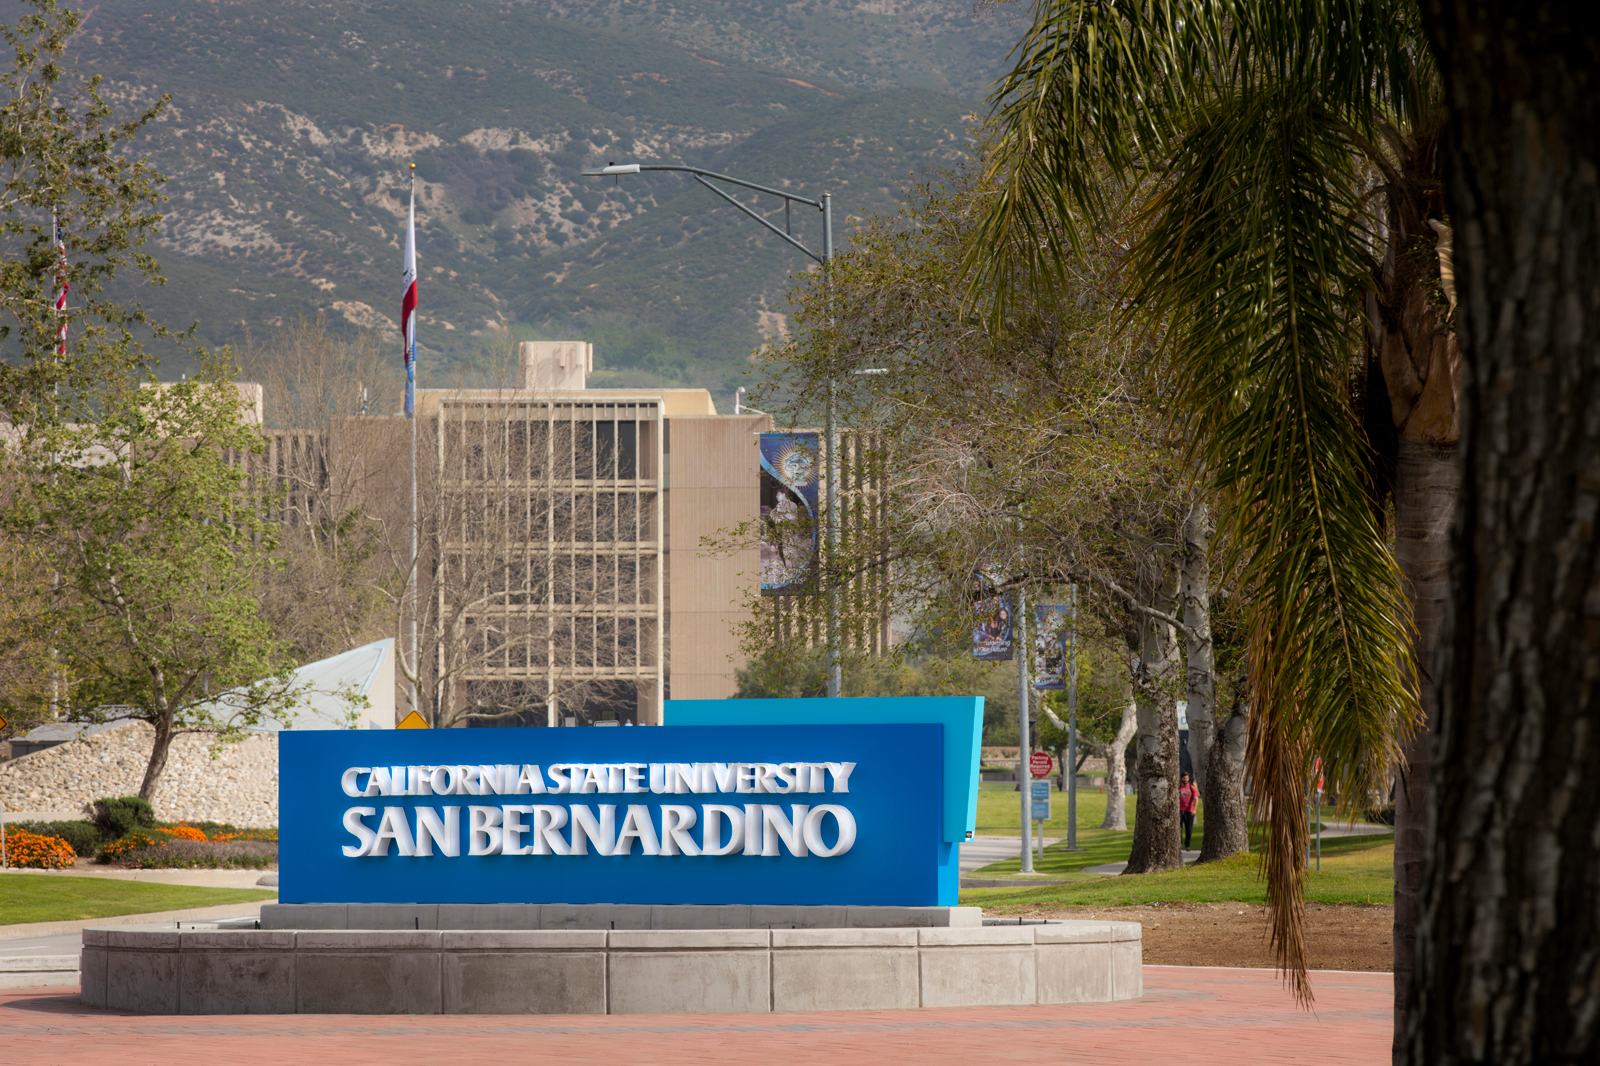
408	306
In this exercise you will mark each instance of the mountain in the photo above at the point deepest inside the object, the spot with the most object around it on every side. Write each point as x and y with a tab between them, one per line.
291	125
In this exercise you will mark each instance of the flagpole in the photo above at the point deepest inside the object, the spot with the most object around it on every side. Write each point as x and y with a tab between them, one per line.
409	326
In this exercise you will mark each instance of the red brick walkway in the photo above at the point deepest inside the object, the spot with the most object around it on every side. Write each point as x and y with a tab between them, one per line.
1191	1016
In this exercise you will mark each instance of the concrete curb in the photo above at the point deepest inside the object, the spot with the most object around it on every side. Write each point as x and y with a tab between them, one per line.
195	914
38	971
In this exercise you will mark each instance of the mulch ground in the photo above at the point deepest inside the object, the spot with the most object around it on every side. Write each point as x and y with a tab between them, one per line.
1343	937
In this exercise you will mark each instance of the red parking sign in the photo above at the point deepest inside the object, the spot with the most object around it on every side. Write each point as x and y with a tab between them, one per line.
1040	763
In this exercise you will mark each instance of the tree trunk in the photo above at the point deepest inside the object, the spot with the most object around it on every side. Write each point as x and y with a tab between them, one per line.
1157	839
1201	675
1227	816
1508	949
1117	767
157	765
1420	364
1427	480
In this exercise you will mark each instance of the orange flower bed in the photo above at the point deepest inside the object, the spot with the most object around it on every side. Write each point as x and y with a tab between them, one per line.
31	851
266	836
185	832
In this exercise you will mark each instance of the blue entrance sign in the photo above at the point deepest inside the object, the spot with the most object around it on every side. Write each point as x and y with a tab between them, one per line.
961	716
678	815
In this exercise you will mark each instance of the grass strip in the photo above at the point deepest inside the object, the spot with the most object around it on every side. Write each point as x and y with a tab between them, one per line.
32	898
1354	870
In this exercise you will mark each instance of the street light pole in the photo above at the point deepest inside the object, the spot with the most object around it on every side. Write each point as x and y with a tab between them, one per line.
831	515
831	430
1072	726
1022	649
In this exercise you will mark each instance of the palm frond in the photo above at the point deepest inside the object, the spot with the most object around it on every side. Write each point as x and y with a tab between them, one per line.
1257	248
1241	126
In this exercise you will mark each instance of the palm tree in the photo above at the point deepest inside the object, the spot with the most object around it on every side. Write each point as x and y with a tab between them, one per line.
1282	157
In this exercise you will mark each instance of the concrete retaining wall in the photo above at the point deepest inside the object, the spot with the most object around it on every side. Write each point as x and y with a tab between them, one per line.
603	971
239	786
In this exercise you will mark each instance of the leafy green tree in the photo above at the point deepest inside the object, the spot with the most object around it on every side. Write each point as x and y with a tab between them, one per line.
1029	449
1279	159
65	160
144	515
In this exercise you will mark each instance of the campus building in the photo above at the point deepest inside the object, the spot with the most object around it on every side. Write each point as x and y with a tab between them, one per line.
565	578
586	553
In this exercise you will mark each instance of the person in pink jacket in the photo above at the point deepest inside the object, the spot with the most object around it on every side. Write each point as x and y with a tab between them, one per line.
1188	800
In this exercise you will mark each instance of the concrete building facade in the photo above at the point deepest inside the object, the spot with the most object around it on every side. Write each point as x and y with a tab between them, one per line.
566	578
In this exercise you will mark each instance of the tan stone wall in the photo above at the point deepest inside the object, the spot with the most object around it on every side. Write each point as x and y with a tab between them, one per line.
239	786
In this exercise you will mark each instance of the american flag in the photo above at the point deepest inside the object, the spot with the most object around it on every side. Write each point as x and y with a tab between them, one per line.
61	287
408	305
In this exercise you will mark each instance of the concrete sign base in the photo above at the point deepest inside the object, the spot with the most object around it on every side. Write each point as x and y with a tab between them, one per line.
604	971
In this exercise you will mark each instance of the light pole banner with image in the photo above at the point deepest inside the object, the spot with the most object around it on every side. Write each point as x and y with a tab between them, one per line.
789	488
991	637
1052	623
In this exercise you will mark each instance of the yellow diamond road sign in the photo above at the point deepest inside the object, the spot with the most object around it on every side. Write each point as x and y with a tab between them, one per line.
413	721
3	722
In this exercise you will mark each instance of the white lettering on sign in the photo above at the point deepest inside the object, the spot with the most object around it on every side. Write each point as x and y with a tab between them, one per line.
758	829
673	778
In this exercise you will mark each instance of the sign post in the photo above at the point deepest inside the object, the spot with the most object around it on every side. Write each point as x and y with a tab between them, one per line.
1039	765
1041	806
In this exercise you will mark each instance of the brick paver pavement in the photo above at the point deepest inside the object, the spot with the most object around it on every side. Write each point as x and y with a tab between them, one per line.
1192	1015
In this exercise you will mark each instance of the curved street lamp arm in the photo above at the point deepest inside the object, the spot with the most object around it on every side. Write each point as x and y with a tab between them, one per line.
701	176
759	219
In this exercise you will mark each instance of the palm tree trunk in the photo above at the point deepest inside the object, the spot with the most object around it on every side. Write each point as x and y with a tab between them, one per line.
1420	361
1427	480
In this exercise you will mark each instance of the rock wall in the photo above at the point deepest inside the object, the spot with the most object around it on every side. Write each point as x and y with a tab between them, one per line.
239	786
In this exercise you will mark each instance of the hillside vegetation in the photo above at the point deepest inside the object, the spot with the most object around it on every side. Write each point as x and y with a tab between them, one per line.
292	124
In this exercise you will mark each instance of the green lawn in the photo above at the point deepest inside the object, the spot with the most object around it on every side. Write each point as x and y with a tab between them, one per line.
1354	869
31	898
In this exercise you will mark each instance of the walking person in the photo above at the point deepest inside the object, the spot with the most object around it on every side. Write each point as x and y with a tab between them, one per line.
1188	800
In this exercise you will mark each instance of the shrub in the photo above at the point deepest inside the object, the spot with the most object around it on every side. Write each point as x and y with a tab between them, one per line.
1383	815
232	833
83	837
183	853
32	851
118	817
126	845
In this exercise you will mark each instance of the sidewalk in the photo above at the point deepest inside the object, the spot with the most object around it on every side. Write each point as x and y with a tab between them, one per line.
1197	1016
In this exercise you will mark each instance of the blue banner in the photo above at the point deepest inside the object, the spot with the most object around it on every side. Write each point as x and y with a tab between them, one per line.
838	814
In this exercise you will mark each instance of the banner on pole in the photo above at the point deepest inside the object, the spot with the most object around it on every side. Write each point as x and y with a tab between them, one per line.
1051	632
789	480
991	638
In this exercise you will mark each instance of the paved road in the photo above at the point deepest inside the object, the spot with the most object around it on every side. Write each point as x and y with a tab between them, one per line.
1196	1016
981	851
